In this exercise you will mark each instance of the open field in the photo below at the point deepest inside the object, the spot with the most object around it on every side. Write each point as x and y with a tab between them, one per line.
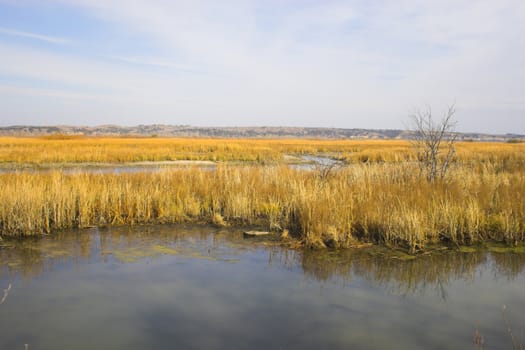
70	149
382	202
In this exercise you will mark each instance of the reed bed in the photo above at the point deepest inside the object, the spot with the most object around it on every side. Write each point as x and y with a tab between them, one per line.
386	203
45	150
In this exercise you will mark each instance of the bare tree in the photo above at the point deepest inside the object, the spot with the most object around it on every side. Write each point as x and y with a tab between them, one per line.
434	142
326	167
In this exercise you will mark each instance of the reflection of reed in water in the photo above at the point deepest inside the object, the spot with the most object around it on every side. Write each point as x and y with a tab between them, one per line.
425	273
508	265
30	257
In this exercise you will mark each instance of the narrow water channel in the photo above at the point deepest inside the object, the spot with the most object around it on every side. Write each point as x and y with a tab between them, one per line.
306	162
197	287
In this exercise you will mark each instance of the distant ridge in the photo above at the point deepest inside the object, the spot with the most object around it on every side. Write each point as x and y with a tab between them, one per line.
161	130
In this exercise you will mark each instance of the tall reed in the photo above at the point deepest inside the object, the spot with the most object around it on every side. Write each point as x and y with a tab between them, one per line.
385	203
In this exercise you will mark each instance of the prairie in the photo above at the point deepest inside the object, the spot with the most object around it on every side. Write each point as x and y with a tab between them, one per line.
68	149
378	196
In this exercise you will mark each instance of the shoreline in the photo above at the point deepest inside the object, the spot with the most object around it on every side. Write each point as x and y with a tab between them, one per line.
288	241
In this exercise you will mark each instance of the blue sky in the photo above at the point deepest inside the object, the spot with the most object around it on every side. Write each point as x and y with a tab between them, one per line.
351	64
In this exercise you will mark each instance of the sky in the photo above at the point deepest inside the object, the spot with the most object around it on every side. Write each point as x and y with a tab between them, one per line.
311	63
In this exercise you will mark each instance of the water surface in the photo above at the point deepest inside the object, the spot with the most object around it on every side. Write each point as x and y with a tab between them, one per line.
305	162
110	168
190	287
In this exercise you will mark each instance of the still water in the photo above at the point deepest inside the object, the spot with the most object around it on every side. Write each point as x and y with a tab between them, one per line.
197	287
305	162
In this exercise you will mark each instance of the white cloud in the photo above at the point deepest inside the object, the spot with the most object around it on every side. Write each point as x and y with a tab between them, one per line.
46	38
336	63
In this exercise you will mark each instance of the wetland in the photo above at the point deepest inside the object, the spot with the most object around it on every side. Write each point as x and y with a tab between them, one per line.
197	286
132	243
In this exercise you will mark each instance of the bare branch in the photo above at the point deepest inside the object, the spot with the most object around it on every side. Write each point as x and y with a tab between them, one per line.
429	139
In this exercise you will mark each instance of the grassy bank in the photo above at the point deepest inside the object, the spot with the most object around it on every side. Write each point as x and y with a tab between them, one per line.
385	203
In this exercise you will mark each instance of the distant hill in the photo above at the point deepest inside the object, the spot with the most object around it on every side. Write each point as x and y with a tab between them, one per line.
161	130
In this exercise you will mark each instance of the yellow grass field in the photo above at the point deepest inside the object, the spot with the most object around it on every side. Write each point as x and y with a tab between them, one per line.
381	199
74	149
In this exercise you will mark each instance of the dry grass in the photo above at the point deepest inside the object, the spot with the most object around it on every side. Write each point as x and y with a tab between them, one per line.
385	203
378	197
117	150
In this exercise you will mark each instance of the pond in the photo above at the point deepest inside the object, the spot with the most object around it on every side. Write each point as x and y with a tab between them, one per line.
198	287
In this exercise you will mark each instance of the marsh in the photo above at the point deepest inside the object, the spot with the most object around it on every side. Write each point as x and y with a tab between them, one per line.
194	287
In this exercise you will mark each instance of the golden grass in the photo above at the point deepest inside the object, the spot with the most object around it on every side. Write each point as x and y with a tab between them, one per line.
117	150
385	203
378	197
59	150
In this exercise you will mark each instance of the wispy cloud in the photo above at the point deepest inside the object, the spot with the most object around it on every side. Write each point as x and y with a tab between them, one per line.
348	63
157	62
41	37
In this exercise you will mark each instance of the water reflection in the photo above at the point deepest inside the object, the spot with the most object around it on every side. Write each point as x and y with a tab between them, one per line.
426	274
200	287
31	257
